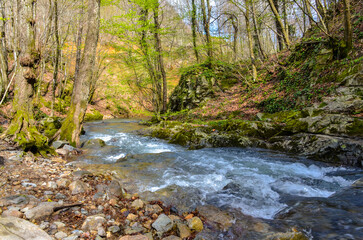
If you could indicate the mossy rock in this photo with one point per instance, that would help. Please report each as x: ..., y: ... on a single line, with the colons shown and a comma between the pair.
x: 356, y: 128
x: 94, y: 143
x: 93, y: 116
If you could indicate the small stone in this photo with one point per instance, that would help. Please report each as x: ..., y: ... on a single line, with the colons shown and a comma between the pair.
x: 78, y: 187
x: 77, y: 232
x: 59, y: 225
x: 113, y: 202
x: 71, y: 237
x: 60, y: 196
x: 52, y: 185
x: 63, y: 182
x: 62, y: 152
x: 115, y: 189
x: 172, y: 237
x: 163, y: 224
x: 196, y: 224
x: 131, y: 217
x: 60, y: 235
x: 93, y: 222
x: 42, y: 210
x: 134, y: 237
x: 68, y: 148
x: 12, y: 213
x: 137, y: 204
x: 101, y: 232
x: 98, y: 238
x: 189, y: 216
x: 47, y: 193
x: 114, y: 229
x: 58, y: 144
x: 43, y: 225
x: 183, y: 230
x: 153, y: 209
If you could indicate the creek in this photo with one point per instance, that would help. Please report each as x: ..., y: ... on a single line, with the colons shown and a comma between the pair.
x: 263, y: 184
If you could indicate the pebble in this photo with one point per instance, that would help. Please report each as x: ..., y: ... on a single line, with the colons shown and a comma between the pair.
x: 60, y: 235
x: 12, y: 213
x: 59, y: 225
x: 44, y: 225
x: 131, y: 217
x: 52, y: 185
x: 101, y: 232
x: 163, y: 224
x: 137, y: 204
x: 195, y: 223
x: 60, y: 196
x: 114, y: 229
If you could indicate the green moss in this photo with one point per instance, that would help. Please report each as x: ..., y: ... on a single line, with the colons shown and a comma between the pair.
x: 356, y: 128
x: 93, y: 116
x: 162, y: 133
x: 180, y: 138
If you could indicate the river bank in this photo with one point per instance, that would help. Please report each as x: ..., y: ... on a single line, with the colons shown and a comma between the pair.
x: 49, y: 198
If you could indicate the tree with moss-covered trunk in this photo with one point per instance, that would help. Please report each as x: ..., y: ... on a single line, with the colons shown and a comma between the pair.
x: 22, y: 127
x: 72, y: 125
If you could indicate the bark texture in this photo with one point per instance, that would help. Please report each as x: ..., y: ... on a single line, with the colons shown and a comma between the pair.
x: 72, y: 125
x: 22, y: 126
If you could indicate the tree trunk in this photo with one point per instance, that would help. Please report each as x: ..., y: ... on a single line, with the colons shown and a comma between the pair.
x: 72, y: 125
x: 57, y: 55
x: 79, y: 41
x: 3, y: 50
x: 348, y: 34
x: 22, y: 126
x: 279, y: 25
x: 206, y: 23
x: 257, y: 32
x: 250, y: 40
x: 160, y: 57
x: 194, y: 29
x: 308, y: 11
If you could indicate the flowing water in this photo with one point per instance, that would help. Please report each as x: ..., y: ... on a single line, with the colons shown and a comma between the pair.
x: 257, y: 182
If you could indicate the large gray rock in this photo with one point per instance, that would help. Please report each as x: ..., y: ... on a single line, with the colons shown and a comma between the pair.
x: 19, y: 229
x: 163, y: 224
x: 42, y: 210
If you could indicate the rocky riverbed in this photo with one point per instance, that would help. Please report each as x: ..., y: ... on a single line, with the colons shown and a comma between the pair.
x: 48, y: 198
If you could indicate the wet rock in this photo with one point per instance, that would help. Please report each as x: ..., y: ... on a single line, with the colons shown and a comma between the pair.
x: 134, y: 237
x: 78, y: 187
x: 183, y: 230
x: 42, y: 210
x: 137, y: 204
x: 92, y: 223
x: 60, y: 235
x: 94, y: 143
x: 16, y: 228
x: 163, y: 224
x: 195, y: 223
x: 12, y: 213
x: 216, y: 217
